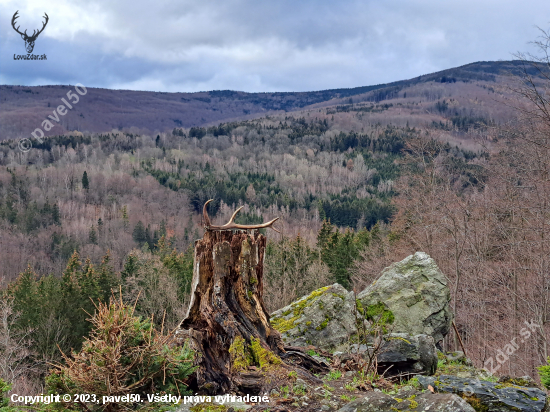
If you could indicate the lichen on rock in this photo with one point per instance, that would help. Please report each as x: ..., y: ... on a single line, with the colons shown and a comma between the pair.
x: 416, y: 292
x: 489, y: 396
x: 324, y: 318
x: 411, y: 295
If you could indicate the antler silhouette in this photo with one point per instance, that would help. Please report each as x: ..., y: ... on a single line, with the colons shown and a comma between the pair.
x: 15, y: 16
x: 34, y: 34
x: 231, y: 225
x: 43, y: 26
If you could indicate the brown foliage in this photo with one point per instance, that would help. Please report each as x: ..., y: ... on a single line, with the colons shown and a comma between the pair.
x: 491, y: 241
x: 123, y: 355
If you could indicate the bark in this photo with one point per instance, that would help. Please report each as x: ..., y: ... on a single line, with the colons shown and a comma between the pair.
x: 227, y: 323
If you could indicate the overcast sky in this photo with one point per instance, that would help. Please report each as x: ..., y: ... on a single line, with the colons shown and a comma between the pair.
x: 259, y: 45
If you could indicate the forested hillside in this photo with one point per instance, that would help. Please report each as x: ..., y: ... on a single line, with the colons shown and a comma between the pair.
x: 24, y: 108
x: 451, y: 165
x: 99, y: 192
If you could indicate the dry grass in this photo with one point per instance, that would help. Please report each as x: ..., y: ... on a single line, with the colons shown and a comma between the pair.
x: 123, y: 355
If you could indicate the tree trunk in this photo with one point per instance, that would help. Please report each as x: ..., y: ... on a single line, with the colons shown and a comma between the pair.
x: 227, y: 323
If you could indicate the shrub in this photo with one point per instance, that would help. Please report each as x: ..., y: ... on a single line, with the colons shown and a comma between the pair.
x: 544, y: 373
x: 4, y: 389
x: 124, y: 354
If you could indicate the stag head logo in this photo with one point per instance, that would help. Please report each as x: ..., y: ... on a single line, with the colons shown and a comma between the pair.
x: 29, y: 40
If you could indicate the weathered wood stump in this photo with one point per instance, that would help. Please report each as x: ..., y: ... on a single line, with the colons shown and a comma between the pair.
x: 227, y: 323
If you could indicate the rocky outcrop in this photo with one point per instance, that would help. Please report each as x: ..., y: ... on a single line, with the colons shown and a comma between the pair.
x: 456, y: 356
x: 405, y: 355
x: 489, y: 396
x: 399, y: 355
x: 380, y: 402
x: 325, y: 318
x: 416, y: 292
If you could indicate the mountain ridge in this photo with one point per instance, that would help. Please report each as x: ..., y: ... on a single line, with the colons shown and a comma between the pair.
x: 24, y: 108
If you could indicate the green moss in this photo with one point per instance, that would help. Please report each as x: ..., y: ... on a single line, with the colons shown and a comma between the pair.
x: 241, y: 358
x: 413, y: 404
x: 336, y: 295
x: 284, y: 325
x: 360, y: 308
x: 243, y: 355
x: 488, y: 378
x: 308, y: 323
x: 506, y: 385
x: 475, y: 403
x: 297, y: 309
x: 208, y: 407
x: 515, y: 382
x: 379, y: 313
x: 253, y: 280
x: 264, y: 358
x: 323, y: 325
x: 453, y: 368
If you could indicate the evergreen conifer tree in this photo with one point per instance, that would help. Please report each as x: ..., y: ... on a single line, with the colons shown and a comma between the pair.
x: 85, y: 181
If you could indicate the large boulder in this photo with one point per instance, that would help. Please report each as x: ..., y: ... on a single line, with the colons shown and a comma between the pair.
x: 325, y: 318
x: 401, y: 354
x: 398, y: 354
x: 380, y: 402
x: 416, y: 292
x: 489, y: 396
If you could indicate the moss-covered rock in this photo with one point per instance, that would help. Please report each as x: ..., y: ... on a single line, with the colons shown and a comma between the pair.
x: 412, y: 296
x: 416, y: 292
x: 526, y: 381
x: 325, y: 318
x: 418, y: 402
x: 485, y: 396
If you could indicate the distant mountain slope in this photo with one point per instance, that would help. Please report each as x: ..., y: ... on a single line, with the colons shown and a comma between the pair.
x: 23, y: 109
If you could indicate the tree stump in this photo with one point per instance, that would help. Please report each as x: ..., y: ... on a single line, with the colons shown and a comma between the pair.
x: 227, y: 323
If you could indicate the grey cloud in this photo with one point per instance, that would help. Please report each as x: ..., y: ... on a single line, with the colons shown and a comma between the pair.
x: 255, y: 45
